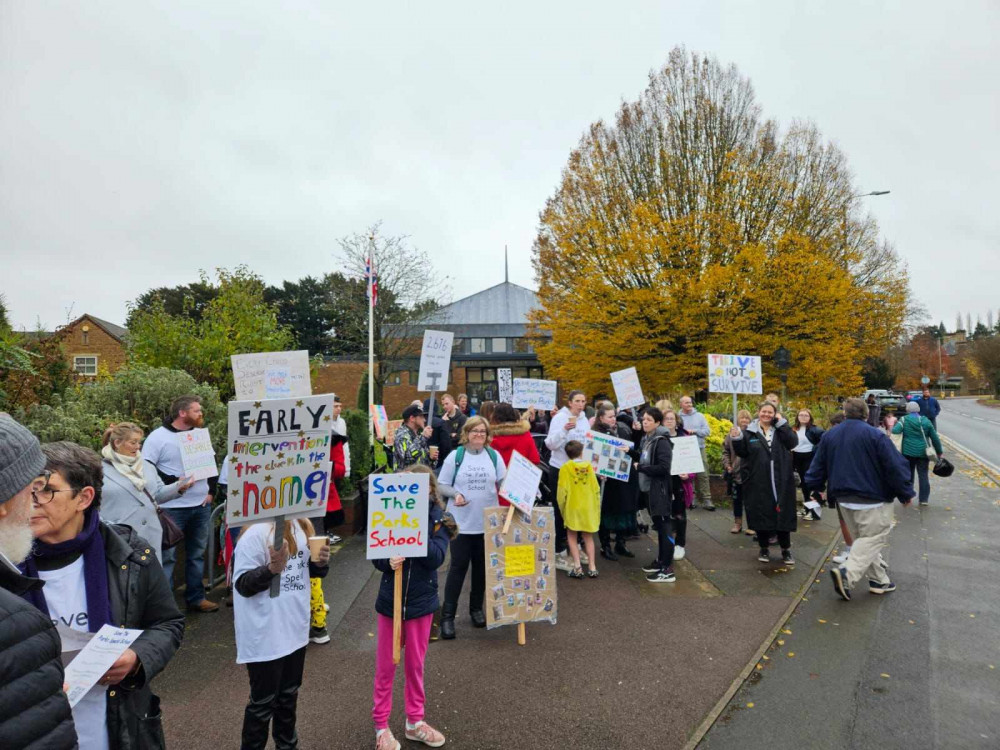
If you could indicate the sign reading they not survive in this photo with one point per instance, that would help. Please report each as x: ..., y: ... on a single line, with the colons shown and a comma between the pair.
x: 271, y: 375
x: 686, y: 456
x: 435, y: 360
x: 279, y: 462
x: 520, y: 483
x: 197, y: 453
x: 529, y: 392
x: 608, y: 454
x: 734, y: 373
x: 628, y: 392
x: 520, y: 567
x: 398, y: 515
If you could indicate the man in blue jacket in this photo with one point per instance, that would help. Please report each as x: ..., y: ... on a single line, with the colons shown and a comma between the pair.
x: 859, y: 466
x: 929, y: 406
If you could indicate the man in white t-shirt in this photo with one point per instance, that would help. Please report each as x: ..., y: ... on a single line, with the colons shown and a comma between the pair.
x: 192, y: 512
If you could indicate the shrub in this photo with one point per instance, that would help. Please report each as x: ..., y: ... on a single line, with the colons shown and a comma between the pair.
x: 361, y: 454
x: 713, y: 443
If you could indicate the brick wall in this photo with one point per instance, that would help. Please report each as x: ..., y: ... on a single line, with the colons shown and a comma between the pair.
x: 344, y: 379
x: 95, y: 342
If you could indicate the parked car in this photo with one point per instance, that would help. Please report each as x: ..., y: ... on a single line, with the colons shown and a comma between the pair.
x: 894, y: 402
x: 876, y: 392
x: 910, y: 395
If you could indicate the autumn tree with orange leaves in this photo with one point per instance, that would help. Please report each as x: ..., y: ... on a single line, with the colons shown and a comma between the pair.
x: 693, y: 226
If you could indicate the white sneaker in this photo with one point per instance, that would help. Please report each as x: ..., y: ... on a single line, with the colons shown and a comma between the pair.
x: 563, y: 562
x: 679, y: 552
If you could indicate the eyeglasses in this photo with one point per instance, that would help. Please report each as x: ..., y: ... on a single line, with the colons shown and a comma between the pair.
x: 477, y: 432
x: 42, y: 493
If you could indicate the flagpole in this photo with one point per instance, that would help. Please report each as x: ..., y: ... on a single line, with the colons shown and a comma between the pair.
x: 371, y: 338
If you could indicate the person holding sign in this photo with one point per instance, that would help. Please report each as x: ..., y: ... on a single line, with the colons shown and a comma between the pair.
x: 420, y: 601
x: 272, y: 632
x: 765, y: 450
x: 731, y: 464
x: 655, y: 456
x: 132, y: 488
x: 681, y: 485
x: 96, y: 574
x: 512, y: 433
x: 410, y: 442
x: 618, y: 499
x: 696, y: 424
x: 569, y: 423
x: 469, y: 479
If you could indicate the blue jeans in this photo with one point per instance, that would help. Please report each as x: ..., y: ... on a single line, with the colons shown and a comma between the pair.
x: 920, y: 464
x: 194, y: 522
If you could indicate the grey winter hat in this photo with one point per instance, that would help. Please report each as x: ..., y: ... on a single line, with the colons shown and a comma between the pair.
x: 21, y: 458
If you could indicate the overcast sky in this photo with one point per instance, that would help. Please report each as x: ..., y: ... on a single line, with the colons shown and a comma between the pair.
x: 143, y: 141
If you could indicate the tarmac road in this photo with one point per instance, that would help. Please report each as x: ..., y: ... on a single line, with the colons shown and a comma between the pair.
x: 973, y: 426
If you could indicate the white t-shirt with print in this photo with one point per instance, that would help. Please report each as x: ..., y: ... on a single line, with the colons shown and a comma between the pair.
x: 162, y: 448
x: 477, y: 480
x: 65, y: 593
x: 266, y: 628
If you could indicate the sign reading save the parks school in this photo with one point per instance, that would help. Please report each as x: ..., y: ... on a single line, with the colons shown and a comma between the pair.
x: 734, y: 373
x: 279, y: 458
x: 398, y: 515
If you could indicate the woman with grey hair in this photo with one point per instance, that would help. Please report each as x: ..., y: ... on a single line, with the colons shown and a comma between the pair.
x: 919, y: 435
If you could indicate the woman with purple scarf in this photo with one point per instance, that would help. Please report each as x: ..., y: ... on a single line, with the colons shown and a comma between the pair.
x: 97, y: 574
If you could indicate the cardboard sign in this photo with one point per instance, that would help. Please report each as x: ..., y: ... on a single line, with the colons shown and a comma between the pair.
x: 96, y: 658
x: 197, y: 453
x: 279, y: 461
x: 380, y: 419
x: 520, y: 567
x: 505, y: 385
x: 686, y: 456
x: 734, y: 373
x: 435, y: 360
x: 520, y: 484
x: 608, y: 454
x: 390, y: 431
x: 271, y: 375
x: 628, y: 392
x: 538, y: 393
x: 397, y: 516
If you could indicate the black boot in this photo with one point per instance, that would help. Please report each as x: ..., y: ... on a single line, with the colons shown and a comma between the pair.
x: 608, y: 554
x: 621, y: 550
x: 478, y: 618
x: 448, y: 621
x: 283, y: 723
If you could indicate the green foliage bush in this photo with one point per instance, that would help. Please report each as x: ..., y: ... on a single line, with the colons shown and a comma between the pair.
x: 361, y: 454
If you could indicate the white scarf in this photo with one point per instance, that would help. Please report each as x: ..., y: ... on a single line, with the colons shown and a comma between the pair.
x: 129, y: 467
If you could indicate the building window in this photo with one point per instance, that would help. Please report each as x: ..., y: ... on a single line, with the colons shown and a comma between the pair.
x: 394, y: 379
x: 414, y: 376
x: 519, y: 372
x: 85, y: 365
x: 473, y: 375
x: 536, y: 373
x: 489, y: 375
x: 523, y: 346
x: 499, y: 345
x: 86, y: 337
x: 477, y: 346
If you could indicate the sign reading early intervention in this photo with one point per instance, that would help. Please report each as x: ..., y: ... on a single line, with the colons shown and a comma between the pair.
x: 398, y: 515
x: 628, y: 392
x: 529, y: 392
x: 686, y: 456
x: 435, y: 360
x: 734, y: 373
x: 279, y: 462
x: 271, y: 375
x: 197, y: 453
x: 520, y: 484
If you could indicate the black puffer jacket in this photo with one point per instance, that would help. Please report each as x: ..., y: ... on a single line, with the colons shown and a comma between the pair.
x: 661, y: 455
x: 769, y: 487
x: 34, y: 712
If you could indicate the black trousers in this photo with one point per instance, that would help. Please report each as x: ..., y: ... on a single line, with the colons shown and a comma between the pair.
x: 561, y: 544
x: 784, y: 538
x: 801, y: 462
x: 274, y: 692
x: 738, y: 501
x: 665, y: 540
x: 466, y: 549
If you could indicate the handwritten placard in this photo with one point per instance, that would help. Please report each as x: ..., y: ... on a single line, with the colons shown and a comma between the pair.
x: 397, y: 515
x: 608, y: 455
x: 520, y: 560
x: 734, y: 373
x: 540, y: 394
x: 279, y: 461
x: 520, y: 567
x: 628, y: 392
x: 271, y: 375
x: 96, y: 658
x: 197, y: 453
x: 686, y: 456
x: 505, y: 385
x: 380, y: 419
x: 435, y: 360
x: 520, y: 484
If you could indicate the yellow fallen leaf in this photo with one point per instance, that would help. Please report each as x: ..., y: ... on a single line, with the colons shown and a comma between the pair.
x: 371, y: 635
x: 886, y: 676
x: 912, y: 622
x: 781, y: 643
x: 822, y: 621
x: 791, y: 653
x: 749, y: 705
x: 786, y: 631
x: 971, y: 615
x: 768, y: 658
x: 760, y: 666
x: 992, y: 667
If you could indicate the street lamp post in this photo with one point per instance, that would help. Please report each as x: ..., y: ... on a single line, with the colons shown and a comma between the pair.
x: 782, y: 360
x: 847, y: 207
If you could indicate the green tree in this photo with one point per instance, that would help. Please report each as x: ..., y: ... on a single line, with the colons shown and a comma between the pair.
x: 985, y: 356
x: 237, y: 321
x: 189, y: 300
x: 306, y: 308
x: 33, y: 367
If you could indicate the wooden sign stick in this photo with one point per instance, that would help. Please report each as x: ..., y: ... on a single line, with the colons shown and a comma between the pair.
x: 510, y: 517
x: 397, y: 615
x: 279, y: 540
x: 522, y: 637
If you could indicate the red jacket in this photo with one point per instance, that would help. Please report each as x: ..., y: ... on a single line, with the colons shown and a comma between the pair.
x: 511, y: 436
x: 339, y: 470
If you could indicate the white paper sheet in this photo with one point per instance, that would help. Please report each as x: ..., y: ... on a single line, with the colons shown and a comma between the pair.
x: 96, y: 658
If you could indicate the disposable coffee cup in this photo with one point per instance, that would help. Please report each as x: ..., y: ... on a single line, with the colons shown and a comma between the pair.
x: 316, y: 543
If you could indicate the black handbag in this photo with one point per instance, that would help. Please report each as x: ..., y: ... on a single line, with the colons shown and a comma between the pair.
x: 172, y: 534
x: 943, y: 467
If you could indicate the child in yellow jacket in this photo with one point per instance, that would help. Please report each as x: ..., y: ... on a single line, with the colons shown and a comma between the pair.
x: 579, y: 501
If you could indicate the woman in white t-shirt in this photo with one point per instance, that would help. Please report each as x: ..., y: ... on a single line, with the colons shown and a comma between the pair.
x: 809, y: 434
x: 271, y: 634
x: 469, y: 479
x: 569, y: 423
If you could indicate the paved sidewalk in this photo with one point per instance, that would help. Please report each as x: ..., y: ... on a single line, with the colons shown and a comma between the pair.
x: 919, y: 668
x: 630, y: 664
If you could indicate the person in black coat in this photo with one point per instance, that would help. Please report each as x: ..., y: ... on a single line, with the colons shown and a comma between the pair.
x: 656, y: 455
x: 809, y: 434
x: 765, y: 450
x: 441, y: 437
x: 618, y: 499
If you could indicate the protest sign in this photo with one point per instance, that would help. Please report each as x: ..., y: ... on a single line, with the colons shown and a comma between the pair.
x: 520, y: 567
x: 628, y: 392
x: 197, y: 453
x: 397, y: 516
x: 686, y: 456
x: 505, y: 385
x: 521, y: 483
x: 279, y: 461
x: 95, y: 659
x: 734, y: 373
x: 390, y: 433
x: 271, y: 375
x: 380, y: 419
x: 608, y: 455
x: 435, y: 360
x: 538, y: 393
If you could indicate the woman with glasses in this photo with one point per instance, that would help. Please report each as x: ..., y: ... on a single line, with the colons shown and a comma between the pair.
x: 97, y: 574
x: 132, y: 487
x: 469, y: 480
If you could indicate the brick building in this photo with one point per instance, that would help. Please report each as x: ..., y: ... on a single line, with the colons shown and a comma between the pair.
x: 92, y: 344
x: 491, y: 333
